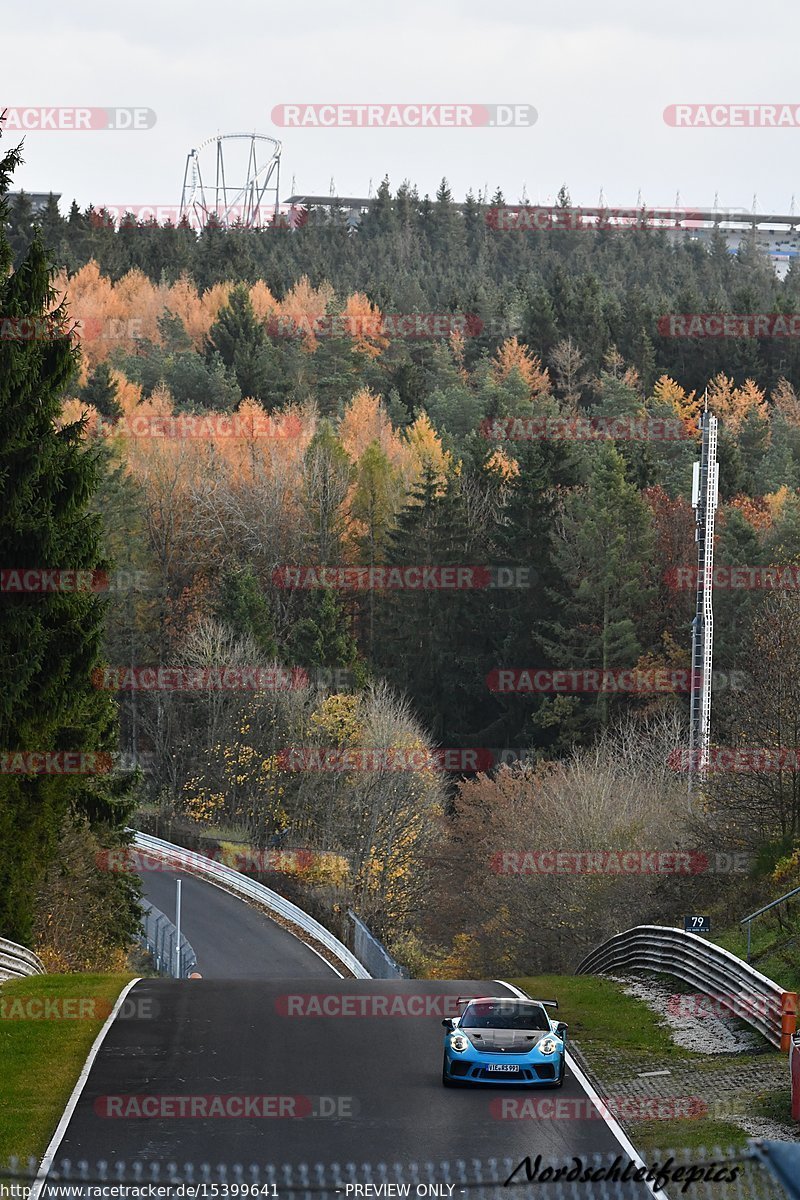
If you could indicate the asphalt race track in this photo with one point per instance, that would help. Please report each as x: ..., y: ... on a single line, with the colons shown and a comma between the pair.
x: 231, y: 939
x: 359, y: 1088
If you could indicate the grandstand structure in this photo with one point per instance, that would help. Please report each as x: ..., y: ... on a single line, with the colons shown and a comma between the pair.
x: 776, y: 234
x: 38, y: 200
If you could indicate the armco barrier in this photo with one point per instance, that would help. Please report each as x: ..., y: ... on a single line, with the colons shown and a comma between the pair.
x: 249, y: 889
x: 704, y: 966
x: 16, y: 961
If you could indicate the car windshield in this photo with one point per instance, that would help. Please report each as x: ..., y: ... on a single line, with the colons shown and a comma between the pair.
x: 502, y: 1014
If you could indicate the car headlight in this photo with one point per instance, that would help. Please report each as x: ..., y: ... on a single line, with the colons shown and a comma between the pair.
x: 547, y: 1045
x: 459, y: 1042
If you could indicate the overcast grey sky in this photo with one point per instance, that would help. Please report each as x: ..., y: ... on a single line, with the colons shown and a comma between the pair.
x: 599, y: 75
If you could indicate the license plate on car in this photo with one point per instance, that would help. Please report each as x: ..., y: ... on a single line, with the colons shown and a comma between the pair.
x: 507, y: 1068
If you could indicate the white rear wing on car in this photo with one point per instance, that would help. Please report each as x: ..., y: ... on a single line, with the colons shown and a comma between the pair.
x: 508, y: 999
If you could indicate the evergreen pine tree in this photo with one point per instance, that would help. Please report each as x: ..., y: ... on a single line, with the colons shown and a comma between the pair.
x: 101, y: 391
x: 244, y: 608
x: 50, y: 640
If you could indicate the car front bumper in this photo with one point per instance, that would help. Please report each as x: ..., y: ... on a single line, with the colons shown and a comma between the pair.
x: 522, y: 1070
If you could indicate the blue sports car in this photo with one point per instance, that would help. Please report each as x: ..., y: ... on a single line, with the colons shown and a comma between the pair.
x: 502, y: 1039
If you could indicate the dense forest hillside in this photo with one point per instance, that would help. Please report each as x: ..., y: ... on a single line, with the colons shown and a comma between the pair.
x: 262, y: 405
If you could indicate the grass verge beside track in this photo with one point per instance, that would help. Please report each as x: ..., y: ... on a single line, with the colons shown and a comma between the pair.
x: 599, y: 1015
x: 41, y: 1056
x: 617, y: 1039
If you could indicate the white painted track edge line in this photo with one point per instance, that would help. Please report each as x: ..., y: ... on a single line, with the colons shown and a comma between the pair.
x: 77, y: 1091
x: 314, y: 951
x: 611, y: 1121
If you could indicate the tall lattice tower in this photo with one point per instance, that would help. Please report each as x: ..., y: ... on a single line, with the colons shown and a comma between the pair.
x: 705, y: 490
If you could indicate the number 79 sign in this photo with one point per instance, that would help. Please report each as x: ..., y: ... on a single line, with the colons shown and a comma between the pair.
x: 696, y: 924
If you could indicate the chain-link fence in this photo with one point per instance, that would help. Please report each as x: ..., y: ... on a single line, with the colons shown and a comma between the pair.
x: 374, y: 956
x: 158, y: 935
x: 701, y: 1174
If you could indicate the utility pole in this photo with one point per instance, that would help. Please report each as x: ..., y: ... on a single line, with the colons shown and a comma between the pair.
x: 705, y: 489
x: 177, y: 928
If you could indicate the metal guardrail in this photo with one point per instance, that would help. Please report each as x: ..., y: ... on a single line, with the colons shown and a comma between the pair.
x: 372, y: 953
x: 750, y: 995
x: 158, y: 935
x: 748, y: 921
x: 249, y: 889
x: 16, y: 961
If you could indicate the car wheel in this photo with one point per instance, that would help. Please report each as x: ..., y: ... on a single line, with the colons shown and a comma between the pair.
x: 560, y: 1081
x: 446, y: 1081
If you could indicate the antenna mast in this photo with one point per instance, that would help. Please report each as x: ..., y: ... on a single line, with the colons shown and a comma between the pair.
x: 705, y: 490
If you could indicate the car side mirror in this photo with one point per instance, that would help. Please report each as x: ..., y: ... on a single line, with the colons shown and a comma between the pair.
x: 448, y: 1022
x: 561, y: 1028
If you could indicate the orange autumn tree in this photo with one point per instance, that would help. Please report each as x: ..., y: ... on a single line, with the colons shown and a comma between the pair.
x: 786, y: 402
x: 685, y: 404
x: 512, y: 355
x: 266, y: 445
x: 303, y: 304
x: 458, y: 351
x: 365, y: 420
x: 94, y: 308
x: 140, y: 303
x: 756, y: 511
x: 776, y: 502
x: 362, y: 320
x: 427, y: 453
x: 383, y: 462
x: 111, y: 315
x: 198, y: 313
x: 128, y: 397
x: 263, y: 302
x: 734, y: 405
x: 502, y: 464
